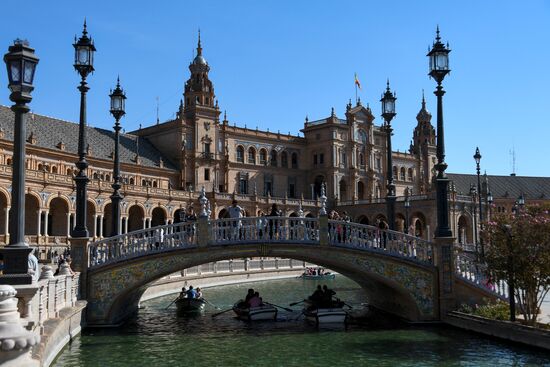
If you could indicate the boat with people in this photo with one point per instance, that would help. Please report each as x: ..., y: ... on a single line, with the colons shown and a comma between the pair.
x: 320, y: 308
x: 259, y: 313
x: 188, y: 305
x: 317, y: 274
x: 325, y: 315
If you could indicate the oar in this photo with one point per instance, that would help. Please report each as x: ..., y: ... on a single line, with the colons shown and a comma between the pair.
x: 171, y: 303
x: 211, y: 304
x: 347, y: 305
x: 284, y: 308
x: 219, y: 313
x: 296, y: 303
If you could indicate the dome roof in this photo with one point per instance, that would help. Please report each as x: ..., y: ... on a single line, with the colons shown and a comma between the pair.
x: 199, y: 60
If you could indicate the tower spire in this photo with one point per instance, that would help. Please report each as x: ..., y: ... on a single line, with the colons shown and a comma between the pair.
x: 199, y: 47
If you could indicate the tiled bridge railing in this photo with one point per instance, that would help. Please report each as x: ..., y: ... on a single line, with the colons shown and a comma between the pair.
x: 259, y: 230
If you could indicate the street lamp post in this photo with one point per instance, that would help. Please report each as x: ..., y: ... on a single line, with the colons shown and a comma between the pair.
x: 473, y: 195
x: 477, y: 158
x: 21, y: 64
x: 388, y: 113
x: 84, y: 65
x: 439, y: 68
x: 118, y: 101
x: 407, y: 207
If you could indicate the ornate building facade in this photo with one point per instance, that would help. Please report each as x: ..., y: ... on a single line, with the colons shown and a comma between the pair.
x: 164, y: 166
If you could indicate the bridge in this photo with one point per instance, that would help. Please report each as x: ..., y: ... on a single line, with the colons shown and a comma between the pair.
x: 401, y: 274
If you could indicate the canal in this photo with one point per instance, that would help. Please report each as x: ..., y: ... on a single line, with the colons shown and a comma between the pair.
x: 157, y: 337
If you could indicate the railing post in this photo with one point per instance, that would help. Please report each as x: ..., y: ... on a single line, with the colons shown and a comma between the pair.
x: 323, y: 230
x: 444, y: 261
x: 80, y: 261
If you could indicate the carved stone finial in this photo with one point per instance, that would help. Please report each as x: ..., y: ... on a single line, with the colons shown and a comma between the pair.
x: 323, y: 198
x: 47, y: 272
x: 300, y: 210
x: 203, y: 202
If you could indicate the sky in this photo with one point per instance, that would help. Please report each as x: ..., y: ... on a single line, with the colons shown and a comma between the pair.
x: 274, y: 62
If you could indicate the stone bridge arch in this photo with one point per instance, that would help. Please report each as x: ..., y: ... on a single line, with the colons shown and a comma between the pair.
x: 403, y: 287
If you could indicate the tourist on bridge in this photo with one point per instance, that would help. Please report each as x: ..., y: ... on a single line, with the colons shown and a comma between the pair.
x: 273, y: 222
x: 190, y: 218
x: 262, y: 225
x: 236, y: 213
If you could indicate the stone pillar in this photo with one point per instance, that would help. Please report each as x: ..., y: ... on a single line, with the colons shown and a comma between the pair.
x: 95, y: 226
x: 46, y: 212
x: 444, y: 261
x: 323, y: 230
x: 80, y: 256
x: 68, y: 224
x: 203, y: 233
x: 101, y: 226
x: 6, y: 225
x: 144, y: 223
x: 15, y: 340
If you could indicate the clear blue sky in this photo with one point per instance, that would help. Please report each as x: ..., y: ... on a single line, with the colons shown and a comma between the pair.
x: 273, y: 62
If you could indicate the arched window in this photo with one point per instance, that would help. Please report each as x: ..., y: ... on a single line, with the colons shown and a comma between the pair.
x: 131, y: 181
x: 69, y: 172
x: 143, y: 183
x: 363, y: 137
x: 402, y: 176
x: 54, y: 169
x: 294, y: 160
x: 155, y: 184
x: 284, y: 160
x: 395, y: 172
x: 263, y: 156
x: 273, y: 158
x: 40, y: 167
x: 410, y: 174
x: 361, y: 159
x: 96, y: 175
x: 8, y: 161
x: 251, y: 155
x: 240, y: 154
x: 107, y: 177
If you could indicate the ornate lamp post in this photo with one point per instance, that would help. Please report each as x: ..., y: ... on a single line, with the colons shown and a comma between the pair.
x: 388, y: 113
x: 21, y: 63
x: 118, y: 101
x: 473, y: 195
x: 439, y: 68
x: 407, y: 207
x: 477, y: 158
x: 84, y: 64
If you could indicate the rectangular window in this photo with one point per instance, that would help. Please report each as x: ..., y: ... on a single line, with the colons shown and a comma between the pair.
x: 243, y: 186
x: 207, y: 174
x: 291, y: 190
x: 378, y: 164
x: 315, y: 159
x: 268, y: 188
x: 207, y: 148
x: 321, y: 158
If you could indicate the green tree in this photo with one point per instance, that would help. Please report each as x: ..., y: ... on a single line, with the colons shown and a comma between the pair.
x: 519, y: 252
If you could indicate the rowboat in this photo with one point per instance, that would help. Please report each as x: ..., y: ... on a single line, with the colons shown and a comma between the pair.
x: 318, y: 277
x: 187, y: 305
x: 264, y: 312
x: 325, y: 315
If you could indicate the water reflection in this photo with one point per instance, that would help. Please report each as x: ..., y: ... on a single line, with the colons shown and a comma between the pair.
x: 158, y: 337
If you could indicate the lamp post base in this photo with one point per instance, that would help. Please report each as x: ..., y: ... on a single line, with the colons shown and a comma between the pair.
x: 16, y: 265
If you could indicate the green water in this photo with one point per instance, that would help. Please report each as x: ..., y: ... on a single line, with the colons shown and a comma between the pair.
x: 157, y: 337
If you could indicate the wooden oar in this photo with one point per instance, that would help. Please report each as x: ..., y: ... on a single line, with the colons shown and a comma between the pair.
x: 219, y: 313
x: 211, y: 304
x: 296, y: 303
x: 284, y: 308
x: 347, y: 305
x: 171, y: 303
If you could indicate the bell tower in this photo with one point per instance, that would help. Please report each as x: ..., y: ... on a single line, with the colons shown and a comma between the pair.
x: 199, y: 94
x: 423, y: 145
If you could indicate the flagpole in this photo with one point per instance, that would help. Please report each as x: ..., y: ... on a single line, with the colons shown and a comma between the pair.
x: 355, y: 92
